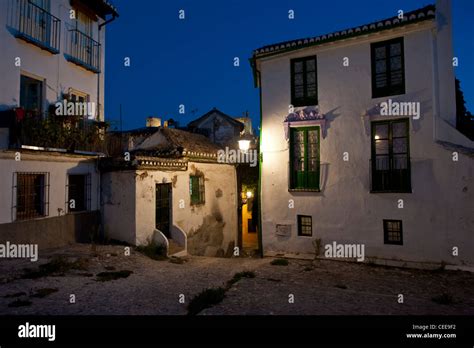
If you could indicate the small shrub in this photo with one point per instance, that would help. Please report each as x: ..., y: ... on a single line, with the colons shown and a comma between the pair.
x: 279, y: 262
x: 108, y: 276
x: 317, y: 247
x: 206, y: 299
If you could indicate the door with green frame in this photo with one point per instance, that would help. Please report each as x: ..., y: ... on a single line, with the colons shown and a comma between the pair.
x: 304, y: 158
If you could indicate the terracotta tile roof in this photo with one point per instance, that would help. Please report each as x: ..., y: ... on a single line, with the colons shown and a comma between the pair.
x: 180, y: 143
x: 422, y: 14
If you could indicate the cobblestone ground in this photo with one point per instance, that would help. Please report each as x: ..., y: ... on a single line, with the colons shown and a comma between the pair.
x: 154, y: 287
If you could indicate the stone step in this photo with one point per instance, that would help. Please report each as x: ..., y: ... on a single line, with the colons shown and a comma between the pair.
x: 174, y: 247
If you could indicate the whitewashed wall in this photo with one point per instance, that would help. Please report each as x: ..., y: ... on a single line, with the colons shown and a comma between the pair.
x: 436, y: 216
x: 59, y: 74
x: 58, y: 167
x: 129, y: 214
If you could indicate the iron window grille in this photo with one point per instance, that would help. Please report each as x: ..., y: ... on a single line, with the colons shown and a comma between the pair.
x: 393, y: 232
x: 305, y: 225
x: 30, y: 195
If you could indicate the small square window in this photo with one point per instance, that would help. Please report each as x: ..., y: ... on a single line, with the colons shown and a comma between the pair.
x: 305, y: 225
x: 393, y: 232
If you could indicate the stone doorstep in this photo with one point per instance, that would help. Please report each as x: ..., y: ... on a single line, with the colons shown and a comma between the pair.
x: 174, y: 249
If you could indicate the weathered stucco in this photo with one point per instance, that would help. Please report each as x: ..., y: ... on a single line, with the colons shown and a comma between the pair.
x: 211, y: 227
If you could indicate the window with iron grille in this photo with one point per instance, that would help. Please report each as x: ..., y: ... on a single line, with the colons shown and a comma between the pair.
x: 304, y: 86
x: 78, y: 193
x: 196, y: 189
x: 304, y: 159
x: 393, y: 232
x: 390, y: 164
x: 305, y: 225
x: 388, y: 68
x: 31, y: 195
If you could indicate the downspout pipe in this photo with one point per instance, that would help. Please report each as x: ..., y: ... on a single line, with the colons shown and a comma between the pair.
x: 114, y: 16
x: 102, y: 231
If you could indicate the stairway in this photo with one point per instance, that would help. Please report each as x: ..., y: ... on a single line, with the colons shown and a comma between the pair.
x: 174, y: 249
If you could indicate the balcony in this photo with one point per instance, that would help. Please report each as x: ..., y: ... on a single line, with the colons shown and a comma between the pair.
x: 72, y: 134
x: 84, y: 51
x: 390, y: 174
x: 35, y: 25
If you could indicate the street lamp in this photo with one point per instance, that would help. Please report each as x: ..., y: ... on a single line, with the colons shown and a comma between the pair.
x: 244, y: 142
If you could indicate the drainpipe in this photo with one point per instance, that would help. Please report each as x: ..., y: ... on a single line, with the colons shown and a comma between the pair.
x: 114, y: 16
x: 99, y: 183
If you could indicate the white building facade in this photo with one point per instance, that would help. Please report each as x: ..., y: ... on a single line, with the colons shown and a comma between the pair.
x: 52, y: 51
x: 359, y: 144
x: 167, y: 187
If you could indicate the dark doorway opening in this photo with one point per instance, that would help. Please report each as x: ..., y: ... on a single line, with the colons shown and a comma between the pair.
x: 163, y: 208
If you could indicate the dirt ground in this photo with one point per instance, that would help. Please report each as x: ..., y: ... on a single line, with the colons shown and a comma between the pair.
x: 157, y: 287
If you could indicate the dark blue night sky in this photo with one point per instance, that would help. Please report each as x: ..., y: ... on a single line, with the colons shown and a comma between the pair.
x: 190, y: 61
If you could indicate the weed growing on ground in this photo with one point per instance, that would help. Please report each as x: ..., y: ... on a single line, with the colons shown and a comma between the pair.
x: 206, y: 299
x: 108, y: 276
x: 279, y: 262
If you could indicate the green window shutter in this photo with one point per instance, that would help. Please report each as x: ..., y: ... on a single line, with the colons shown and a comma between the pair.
x: 196, y: 189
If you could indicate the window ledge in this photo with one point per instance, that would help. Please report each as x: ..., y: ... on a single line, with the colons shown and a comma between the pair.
x: 304, y: 190
x: 390, y: 191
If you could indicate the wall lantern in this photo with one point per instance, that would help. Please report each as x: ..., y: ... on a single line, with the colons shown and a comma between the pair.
x: 244, y: 142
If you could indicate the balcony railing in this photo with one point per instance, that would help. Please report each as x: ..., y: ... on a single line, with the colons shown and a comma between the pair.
x: 83, y: 51
x: 35, y: 25
x: 71, y: 133
x: 390, y: 174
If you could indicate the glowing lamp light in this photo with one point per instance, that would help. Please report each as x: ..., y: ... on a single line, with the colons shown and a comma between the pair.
x: 244, y: 144
x: 249, y: 194
x: 377, y: 137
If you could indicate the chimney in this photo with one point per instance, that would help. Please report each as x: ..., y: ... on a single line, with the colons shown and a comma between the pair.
x: 153, y: 122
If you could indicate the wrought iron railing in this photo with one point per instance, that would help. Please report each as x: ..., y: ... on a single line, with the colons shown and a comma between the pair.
x: 35, y: 25
x: 83, y: 50
x: 72, y: 133
x: 390, y: 174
